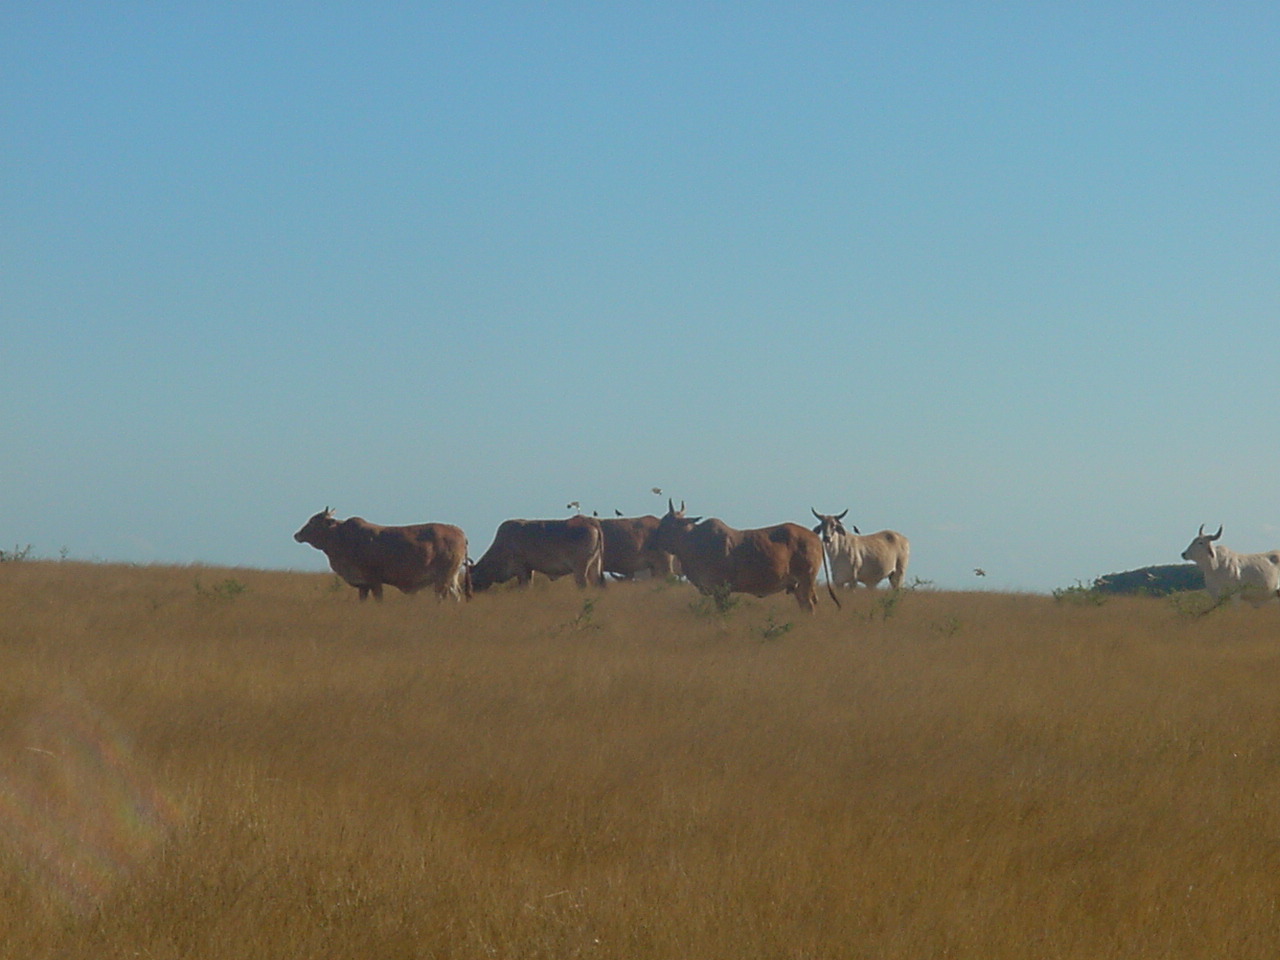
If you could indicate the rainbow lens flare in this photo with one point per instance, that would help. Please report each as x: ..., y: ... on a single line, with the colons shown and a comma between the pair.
x: 78, y: 809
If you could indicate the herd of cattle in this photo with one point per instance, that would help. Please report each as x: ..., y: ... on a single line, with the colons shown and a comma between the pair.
x: 710, y: 554
x: 713, y: 556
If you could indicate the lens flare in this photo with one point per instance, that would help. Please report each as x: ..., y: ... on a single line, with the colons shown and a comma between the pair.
x: 77, y: 808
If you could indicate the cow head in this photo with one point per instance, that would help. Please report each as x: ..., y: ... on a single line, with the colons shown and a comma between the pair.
x: 1201, y: 548
x: 496, y: 565
x: 485, y: 573
x: 829, y: 525
x: 673, y: 528
x: 316, y: 528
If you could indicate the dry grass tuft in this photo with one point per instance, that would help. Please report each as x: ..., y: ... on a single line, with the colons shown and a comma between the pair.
x: 231, y: 763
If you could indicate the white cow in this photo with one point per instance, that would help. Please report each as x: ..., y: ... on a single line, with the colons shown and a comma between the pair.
x: 1254, y: 576
x: 857, y: 558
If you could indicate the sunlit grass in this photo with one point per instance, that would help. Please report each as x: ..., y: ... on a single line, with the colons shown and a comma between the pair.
x: 276, y: 770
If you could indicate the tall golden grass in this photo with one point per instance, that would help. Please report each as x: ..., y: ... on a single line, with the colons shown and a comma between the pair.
x: 240, y: 764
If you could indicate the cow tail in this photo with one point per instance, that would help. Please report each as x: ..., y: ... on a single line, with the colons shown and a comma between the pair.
x: 467, y: 564
x: 826, y: 568
x: 597, y: 560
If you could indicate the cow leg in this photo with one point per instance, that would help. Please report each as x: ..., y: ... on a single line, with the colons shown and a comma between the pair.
x: 376, y: 590
x: 589, y: 574
x: 460, y: 585
x: 364, y: 591
x: 445, y: 585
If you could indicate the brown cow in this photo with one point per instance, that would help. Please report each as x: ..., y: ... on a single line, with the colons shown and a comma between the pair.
x: 760, y: 562
x: 550, y: 547
x: 629, y: 550
x: 407, y: 558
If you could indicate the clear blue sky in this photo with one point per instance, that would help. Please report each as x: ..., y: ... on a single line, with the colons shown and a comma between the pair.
x: 1002, y: 276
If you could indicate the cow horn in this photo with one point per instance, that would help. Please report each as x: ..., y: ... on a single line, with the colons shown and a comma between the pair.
x: 1218, y: 534
x: 815, y: 513
x: 840, y: 516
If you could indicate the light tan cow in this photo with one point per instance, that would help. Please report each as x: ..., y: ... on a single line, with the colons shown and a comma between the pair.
x: 862, y: 558
x: 1253, y: 576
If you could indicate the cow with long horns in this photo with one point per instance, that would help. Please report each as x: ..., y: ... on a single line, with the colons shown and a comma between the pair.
x: 862, y: 558
x: 1253, y: 576
x: 715, y: 556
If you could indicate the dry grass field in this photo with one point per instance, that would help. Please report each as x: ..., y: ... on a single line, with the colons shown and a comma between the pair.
x: 202, y: 763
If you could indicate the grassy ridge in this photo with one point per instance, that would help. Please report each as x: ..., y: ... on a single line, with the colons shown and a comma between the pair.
x: 209, y: 763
